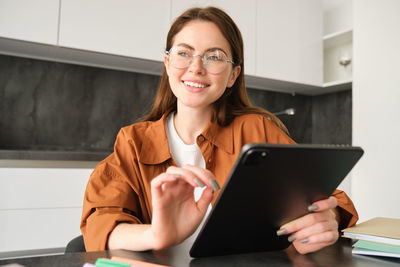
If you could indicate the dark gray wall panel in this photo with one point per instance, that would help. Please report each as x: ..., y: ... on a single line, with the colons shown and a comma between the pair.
x: 299, y: 125
x: 49, y: 106
x: 54, y: 106
x: 332, y: 118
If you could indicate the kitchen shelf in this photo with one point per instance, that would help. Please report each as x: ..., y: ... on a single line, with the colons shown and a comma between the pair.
x: 338, y: 55
x: 337, y: 38
x: 337, y: 83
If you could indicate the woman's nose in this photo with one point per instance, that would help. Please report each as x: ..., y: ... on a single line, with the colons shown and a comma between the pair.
x: 196, y: 65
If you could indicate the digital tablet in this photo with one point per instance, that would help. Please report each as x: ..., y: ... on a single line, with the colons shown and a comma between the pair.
x: 268, y: 186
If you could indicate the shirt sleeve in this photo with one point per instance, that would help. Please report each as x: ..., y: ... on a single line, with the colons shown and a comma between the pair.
x: 274, y: 134
x: 347, y: 211
x: 110, y: 197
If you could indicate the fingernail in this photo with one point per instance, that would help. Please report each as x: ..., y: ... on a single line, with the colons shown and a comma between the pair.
x: 175, y: 175
x: 305, y: 240
x: 291, y: 238
x: 281, y: 232
x: 199, y: 182
x: 313, y: 207
x: 214, y: 185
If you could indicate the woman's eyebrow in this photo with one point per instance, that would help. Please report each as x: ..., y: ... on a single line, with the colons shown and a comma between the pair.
x: 186, y: 46
x: 216, y: 48
x: 208, y: 50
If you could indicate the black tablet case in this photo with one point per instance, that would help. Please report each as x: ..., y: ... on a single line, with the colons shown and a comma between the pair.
x: 268, y: 186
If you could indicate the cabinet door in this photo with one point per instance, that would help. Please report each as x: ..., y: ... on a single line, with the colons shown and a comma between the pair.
x: 29, y: 20
x: 35, y: 203
x: 121, y: 27
x: 289, y: 40
x: 242, y: 13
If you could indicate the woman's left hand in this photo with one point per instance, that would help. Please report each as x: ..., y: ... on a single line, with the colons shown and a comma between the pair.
x: 314, y: 230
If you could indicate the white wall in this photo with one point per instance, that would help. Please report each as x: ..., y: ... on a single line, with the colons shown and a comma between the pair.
x: 376, y: 98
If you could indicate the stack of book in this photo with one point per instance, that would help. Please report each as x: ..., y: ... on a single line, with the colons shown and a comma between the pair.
x: 377, y: 237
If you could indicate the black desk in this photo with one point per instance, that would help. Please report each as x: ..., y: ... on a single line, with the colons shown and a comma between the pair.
x: 336, y: 255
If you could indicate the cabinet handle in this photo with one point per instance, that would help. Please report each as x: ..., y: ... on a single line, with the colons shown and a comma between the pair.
x: 344, y: 61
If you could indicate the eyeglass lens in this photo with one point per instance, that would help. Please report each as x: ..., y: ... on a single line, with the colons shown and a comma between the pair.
x: 214, y: 61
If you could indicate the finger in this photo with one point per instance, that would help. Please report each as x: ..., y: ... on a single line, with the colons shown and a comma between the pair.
x: 329, y: 237
x: 161, y: 179
x: 315, y: 229
x: 205, y: 175
x: 303, y: 222
x: 158, y: 182
x: 325, y: 204
x: 205, y: 199
x: 184, y: 174
x: 168, y: 185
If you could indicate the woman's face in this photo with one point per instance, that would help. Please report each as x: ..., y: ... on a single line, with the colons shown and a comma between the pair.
x: 194, y: 85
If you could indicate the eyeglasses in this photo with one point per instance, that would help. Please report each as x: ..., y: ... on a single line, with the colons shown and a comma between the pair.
x: 214, y: 61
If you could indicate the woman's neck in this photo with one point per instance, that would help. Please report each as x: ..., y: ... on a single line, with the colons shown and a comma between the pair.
x: 190, y: 122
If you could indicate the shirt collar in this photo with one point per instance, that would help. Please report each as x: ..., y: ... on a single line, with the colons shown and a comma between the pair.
x: 222, y: 137
x: 155, y: 149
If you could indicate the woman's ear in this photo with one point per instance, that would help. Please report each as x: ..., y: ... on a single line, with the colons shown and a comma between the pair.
x: 166, y: 63
x: 235, y: 73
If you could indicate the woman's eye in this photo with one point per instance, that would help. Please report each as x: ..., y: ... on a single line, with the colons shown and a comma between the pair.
x: 183, y: 54
x: 214, y: 58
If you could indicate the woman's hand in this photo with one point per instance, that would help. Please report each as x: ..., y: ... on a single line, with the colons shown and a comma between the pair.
x: 315, y: 230
x: 176, y: 214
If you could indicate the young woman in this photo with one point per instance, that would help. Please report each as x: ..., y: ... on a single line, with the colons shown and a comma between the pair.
x: 142, y: 196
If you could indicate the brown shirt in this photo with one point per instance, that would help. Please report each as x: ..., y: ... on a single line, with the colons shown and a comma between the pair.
x: 119, y: 188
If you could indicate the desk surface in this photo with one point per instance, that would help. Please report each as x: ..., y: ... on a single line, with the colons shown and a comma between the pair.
x: 335, y: 255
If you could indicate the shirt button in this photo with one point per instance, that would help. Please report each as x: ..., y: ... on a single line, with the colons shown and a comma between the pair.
x: 200, y: 138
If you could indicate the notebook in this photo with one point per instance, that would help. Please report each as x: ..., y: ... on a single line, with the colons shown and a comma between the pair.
x: 363, y: 247
x: 379, y: 229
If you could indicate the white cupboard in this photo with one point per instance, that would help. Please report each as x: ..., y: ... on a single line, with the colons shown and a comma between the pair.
x: 338, y: 43
x: 282, y: 39
x: 121, y: 27
x: 289, y: 40
x: 40, y: 208
x: 30, y: 20
x: 338, y: 57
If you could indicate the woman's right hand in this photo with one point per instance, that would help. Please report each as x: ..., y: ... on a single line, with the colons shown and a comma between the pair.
x: 176, y: 214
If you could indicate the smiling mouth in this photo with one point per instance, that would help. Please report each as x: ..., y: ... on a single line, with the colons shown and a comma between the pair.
x: 194, y: 84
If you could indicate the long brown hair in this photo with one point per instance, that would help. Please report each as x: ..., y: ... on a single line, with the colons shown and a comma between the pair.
x: 234, y: 101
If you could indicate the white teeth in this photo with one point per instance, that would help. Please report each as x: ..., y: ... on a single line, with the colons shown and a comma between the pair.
x: 193, y: 84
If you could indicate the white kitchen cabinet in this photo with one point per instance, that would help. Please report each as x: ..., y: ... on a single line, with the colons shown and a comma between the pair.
x: 283, y: 40
x: 338, y: 43
x: 40, y: 208
x: 128, y: 28
x: 243, y: 14
x: 30, y: 20
x: 289, y: 40
x: 338, y: 57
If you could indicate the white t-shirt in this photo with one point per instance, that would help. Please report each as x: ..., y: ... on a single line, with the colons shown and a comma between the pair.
x: 185, y: 154
x: 181, y: 152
